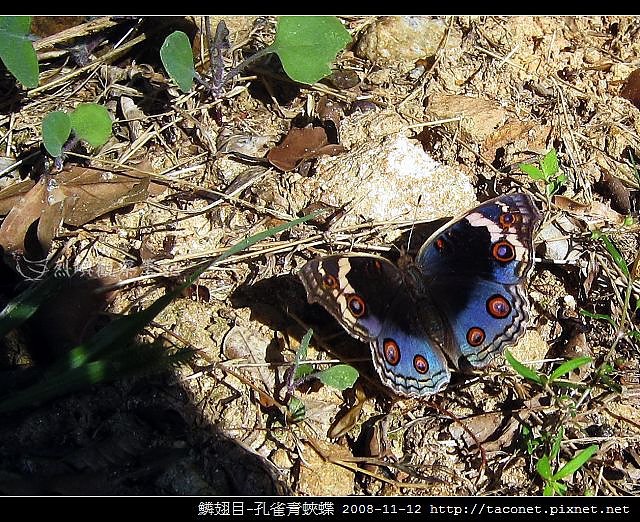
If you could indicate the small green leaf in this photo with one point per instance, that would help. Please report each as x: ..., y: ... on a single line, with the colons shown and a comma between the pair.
x: 543, y: 467
x: 549, y: 163
x: 575, y: 463
x: 177, y: 58
x: 91, y: 122
x: 302, y: 370
x: 559, y: 488
x: 523, y: 370
x: 548, y: 489
x: 341, y: 376
x: 16, y: 49
x: 568, y: 367
x: 307, y: 45
x: 557, y: 442
x: 296, y: 409
x: 533, y: 171
x: 56, y: 128
x: 301, y: 354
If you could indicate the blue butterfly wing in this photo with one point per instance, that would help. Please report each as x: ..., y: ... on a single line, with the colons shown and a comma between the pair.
x: 474, y: 270
x: 368, y: 297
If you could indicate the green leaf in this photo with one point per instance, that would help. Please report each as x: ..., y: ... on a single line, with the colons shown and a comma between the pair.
x: 296, y: 409
x: 16, y: 49
x: 575, y: 463
x: 523, y: 370
x: 533, y: 171
x: 543, y: 467
x: 177, y: 58
x: 549, y: 163
x: 557, y: 442
x: 341, y: 376
x: 307, y: 45
x: 601, y: 317
x: 91, y: 122
x: 613, y: 251
x: 568, y: 367
x: 548, y: 489
x: 302, y: 370
x: 56, y: 128
x: 301, y: 354
x: 559, y: 488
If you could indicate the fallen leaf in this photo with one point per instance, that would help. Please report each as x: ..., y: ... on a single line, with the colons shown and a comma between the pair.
x: 300, y: 144
x: 74, y: 197
x: 631, y: 89
x: 10, y: 196
x: 616, y: 191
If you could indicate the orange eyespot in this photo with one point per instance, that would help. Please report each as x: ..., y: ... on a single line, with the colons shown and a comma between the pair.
x: 503, y: 251
x: 475, y: 336
x: 391, y: 351
x: 329, y: 281
x: 421, y: 364
x: 498, y: 307
x: 356, y: 305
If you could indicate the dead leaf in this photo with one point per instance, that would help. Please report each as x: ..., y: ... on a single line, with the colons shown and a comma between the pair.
x: 134, y: 114
x: 616, y: 191
x: 74, y: 197
x: 331, y: 115
x: 300, y: 144
x: 243, y: 341
x: 524, y: 134
x: 631, y: 89
x: 10, y: 196
x: 595, y: 214
x: 349, y: 418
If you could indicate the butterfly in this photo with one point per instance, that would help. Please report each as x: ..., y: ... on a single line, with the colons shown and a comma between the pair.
x: 461, y: 301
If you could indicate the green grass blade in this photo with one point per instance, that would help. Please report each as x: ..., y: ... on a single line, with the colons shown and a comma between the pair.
x: 557, y: 442
x: 601, y: 317
x: 523, y: 370
x: 22, y: 307
x: 613, y: 251
x: 130, y: 361
x: 568, y: 367
x: 575, y: 463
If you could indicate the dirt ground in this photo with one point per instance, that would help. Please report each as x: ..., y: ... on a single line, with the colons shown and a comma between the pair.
x: 418, y: 130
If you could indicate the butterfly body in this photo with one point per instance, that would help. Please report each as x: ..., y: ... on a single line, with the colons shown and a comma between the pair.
x: 463, y: 300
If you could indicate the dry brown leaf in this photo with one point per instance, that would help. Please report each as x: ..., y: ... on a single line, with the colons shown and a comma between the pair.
x: 631, y: 89
x: 594, y: 214
x: 75, y: 197
x: 10, y: 196
x: 299, y: 144
x: 21, y: 217
x: 89, y: 193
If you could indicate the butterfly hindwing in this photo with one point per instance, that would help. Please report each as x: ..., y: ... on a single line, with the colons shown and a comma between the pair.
x: 367, y: 295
